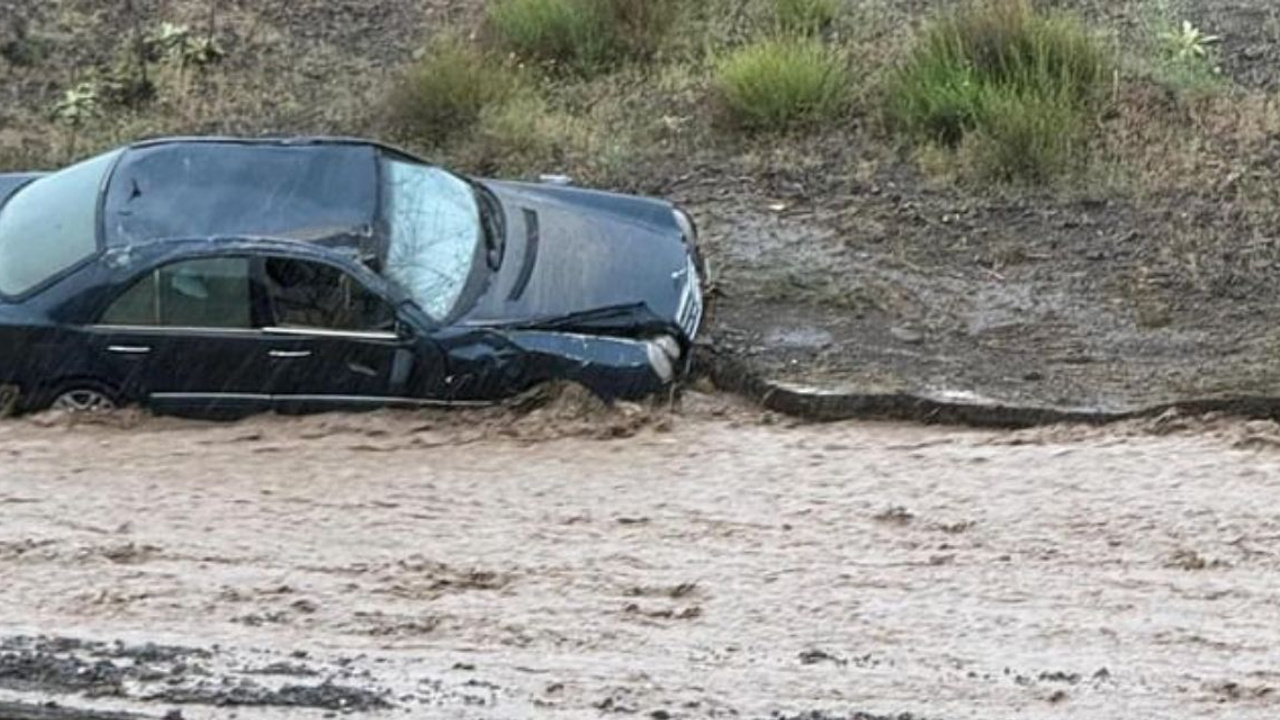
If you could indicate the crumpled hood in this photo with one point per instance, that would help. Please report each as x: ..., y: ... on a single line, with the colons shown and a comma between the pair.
x: 573, y: 253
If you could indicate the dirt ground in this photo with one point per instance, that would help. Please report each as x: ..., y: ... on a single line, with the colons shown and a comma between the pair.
x: 704, y: 562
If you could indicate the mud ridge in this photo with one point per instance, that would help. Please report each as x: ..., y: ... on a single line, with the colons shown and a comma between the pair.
x: 822, y: 404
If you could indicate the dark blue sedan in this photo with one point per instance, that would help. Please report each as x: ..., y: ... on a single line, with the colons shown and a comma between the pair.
x: 226, y: 276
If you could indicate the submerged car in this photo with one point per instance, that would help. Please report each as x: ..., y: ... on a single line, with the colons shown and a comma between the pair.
x: 215, y: 275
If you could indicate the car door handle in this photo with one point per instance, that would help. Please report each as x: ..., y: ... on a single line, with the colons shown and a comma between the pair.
x: 290, y: 354
x: 129, y: 349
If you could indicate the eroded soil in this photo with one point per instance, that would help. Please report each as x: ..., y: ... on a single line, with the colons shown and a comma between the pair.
x: 706, y: 561
x: 881, y: 284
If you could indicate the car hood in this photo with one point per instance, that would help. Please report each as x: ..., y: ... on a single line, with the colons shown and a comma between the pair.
x: 579, y: 254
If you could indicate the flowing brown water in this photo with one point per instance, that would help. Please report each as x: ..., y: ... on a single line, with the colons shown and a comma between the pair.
x: 701, y: 564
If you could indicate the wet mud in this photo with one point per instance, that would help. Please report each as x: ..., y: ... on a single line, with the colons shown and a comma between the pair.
x: 170, y: 675
x: 703, y: 559
x: 1005, y: 301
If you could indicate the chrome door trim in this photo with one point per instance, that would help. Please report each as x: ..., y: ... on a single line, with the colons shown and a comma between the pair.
x: 322, y: 333
x: 345, y: 399
x: 382, y: 400
x: 211, y: 396
x: 129, y: 349
x: 172, y: 330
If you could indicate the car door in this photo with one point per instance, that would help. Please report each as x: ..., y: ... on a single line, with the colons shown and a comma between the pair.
x: 183, y: 338
x: 346, y: 346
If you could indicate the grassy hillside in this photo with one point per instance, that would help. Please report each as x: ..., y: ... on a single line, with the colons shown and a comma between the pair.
x: 1178, y: 101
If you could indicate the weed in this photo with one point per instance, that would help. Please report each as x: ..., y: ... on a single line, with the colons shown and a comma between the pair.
x: 176, y: 44
x: 1187, y: 42
x: 79, y: 104
x: 1022, y: 136
x: 582, y: 36
x: 806, y: 16
x: 551, y: 31
x: 445, y: 93
x: 1004, y: 72
x: 782, y: 83
x: 1184, y: 59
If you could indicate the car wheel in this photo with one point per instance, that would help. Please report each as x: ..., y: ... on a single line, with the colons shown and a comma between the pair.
x: 84, y: 399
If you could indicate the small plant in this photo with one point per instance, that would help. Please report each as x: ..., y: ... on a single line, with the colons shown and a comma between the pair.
x: 76, y: 108
x: 1185, y: 58
x: 1002, y: 72
x: 178, y: 48
x: 79, y: 104
x: 581, y: 36
x: 446, y: 91
x: 1187, y: 43
x: 782, y: 83
x: 806, y: 16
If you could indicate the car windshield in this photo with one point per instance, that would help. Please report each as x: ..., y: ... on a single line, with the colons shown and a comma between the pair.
x: 50, y: 225
x: 433, y: 224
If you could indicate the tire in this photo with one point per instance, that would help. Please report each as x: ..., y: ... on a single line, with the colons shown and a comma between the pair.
x: 83, y: 396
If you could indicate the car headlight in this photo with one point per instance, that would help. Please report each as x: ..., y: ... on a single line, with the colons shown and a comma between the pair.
x: 687, y: 227
x: 663, y: 354
x: 669, y: 346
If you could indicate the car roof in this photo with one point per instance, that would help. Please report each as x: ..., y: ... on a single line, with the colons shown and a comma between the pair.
x: 272, y: 141
x: 350, y: 236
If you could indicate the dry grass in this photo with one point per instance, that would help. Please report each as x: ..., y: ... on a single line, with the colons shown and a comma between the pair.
x: 448, y: 91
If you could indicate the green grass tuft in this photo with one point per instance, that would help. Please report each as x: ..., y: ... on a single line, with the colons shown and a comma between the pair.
x: 1003, y: 72
x: 582, y: 36
x: 1023, y: 137
x: 445, y: 93
x: 782, y: 83
x: 806, y: 17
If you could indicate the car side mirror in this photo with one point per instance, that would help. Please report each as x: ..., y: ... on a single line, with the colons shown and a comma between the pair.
x: 405, y: 330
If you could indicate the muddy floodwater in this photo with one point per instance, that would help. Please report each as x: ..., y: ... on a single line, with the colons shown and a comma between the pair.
x: 710, y: 562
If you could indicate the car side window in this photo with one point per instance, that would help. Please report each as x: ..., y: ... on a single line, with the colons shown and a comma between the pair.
x: 205, y: 293
x: 314, y: 295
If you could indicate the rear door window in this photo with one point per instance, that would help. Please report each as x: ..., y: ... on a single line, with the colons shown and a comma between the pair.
x: 205, y: 293
x: 312, y: 295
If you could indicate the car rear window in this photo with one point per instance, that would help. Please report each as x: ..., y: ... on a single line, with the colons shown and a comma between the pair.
x: 50, y: 225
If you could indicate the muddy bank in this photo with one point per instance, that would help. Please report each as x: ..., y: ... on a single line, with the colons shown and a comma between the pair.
x: 715, y: 562
x: 838, y: 399
x: 874, y: 288
x: 845, y: 264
